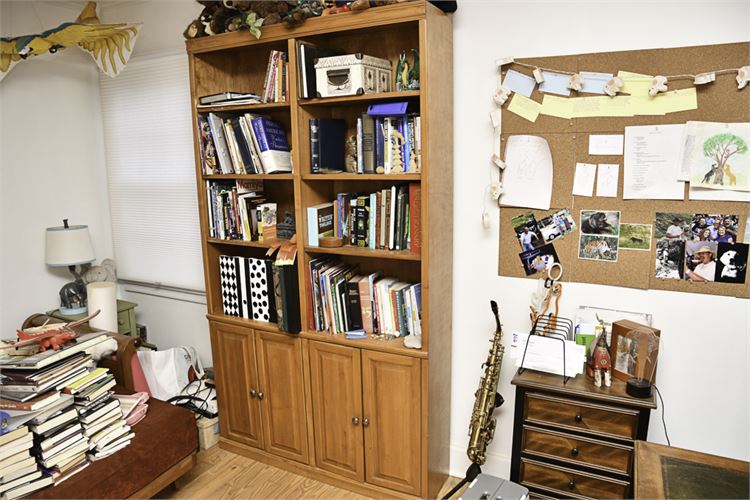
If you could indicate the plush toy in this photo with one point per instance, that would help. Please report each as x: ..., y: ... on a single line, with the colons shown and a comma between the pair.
x: 304, y: 9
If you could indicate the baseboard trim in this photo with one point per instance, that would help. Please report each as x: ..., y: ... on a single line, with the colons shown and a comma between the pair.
x: 496, y: 464
x: 310, y: 471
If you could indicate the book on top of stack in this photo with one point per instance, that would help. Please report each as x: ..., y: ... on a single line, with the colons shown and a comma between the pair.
x: 19, y: 472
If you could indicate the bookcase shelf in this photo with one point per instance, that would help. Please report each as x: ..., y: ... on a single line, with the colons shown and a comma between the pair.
x: 399, y: 384
x: 365, y: 252
x: 360, y: 99
x: 363, y: 177
x: 243, y: 107
x: 249, y: 177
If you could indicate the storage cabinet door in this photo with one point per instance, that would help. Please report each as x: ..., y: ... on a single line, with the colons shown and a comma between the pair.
x: 282, y: 395
x: 392, y: 420
x: 236, y: 381
x: 336, y: 384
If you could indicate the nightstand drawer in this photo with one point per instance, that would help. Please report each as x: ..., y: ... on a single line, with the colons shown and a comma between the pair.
x: 571, y: 483
x: 609, y: 421
x: 578, y: 450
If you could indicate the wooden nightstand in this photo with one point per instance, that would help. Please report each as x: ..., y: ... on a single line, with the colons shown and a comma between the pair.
x: 125, y: 317
x: 576, y: 440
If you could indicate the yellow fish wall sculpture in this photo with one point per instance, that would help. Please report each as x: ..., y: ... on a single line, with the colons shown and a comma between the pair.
x: 109, y: 44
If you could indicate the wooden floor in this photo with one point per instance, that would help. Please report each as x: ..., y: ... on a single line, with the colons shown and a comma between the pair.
x: 222, y: 474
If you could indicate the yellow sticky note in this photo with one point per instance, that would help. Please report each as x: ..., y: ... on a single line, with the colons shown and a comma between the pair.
x: 679, y: 100
x: 525, y: 107
x: 647, y: 105
x: 635, y: 84
x: 561, y: 107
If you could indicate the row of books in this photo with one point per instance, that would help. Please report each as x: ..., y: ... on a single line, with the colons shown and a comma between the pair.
x: 276, y: 83
x: 239, y: 211
x: 384, y: 144
x: 344, y: 301
x: 243, y: 144
x: 388, y: 219
x: 261, y: 290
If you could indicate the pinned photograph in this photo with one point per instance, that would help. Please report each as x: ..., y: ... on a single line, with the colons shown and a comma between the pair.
x: 594, y: 247
x: 635, y: 237
x: 557, y: 225
x: 605, y: 222
x: 721, y: 228
x: 700, y: 260
x: 539, y: 259
x: 670, y: 256
x: 673, y: 226
x: 731, y: 263
x: 527, y: 231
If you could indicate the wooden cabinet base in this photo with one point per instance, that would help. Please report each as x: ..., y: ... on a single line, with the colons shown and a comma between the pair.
x: 310, y: 471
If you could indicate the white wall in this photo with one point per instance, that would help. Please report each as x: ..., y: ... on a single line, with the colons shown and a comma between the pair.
x: 51, y: 157
x: 703, y: 372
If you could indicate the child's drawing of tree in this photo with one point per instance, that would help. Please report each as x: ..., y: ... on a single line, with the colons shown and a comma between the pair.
x: 720, y: 148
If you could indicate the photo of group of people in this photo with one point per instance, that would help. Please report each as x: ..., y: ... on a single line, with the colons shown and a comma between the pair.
x: 599, y: 239
x: 535, y: 238
x: 700, y: 247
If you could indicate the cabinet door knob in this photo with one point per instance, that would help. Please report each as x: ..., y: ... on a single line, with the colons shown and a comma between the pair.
x: 579, y: 418
x: 355, y: 420
x: 574, y: 452
x: 260, y: 395
x: 571, y: 485
x: 365, y: 422
x: 253, y: 393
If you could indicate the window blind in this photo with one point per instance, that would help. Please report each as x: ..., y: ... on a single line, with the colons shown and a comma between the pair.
x: 151, y: 172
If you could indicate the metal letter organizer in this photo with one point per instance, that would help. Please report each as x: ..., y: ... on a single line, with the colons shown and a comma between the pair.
x: 551, y: 326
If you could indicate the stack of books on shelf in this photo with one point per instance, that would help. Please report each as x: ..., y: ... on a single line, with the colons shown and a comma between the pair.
x: 239, y: 211
x: 19, y: 472
x: 276, y: 84
x: 385, y: 143
x: 260, y: 290
x: 388, y: 219
x: 228, y: 99
x: 243, y: 144
x: 345, y: 301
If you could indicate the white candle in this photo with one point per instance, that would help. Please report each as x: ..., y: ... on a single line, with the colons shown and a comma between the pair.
x: 103, y: 296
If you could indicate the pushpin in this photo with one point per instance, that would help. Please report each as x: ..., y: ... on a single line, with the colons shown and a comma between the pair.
x: 658, y: 84
x: 498, y: 162
x: 613, y: 86
x: 575, y: 82
x: 704, y: 78
x: 538, y: 75
x: 503, y: 61
x: 743, y: 77
x: 495, y: 118
x: 501, y: 95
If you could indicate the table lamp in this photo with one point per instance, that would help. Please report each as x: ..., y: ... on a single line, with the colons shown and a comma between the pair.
x: 70, y: 246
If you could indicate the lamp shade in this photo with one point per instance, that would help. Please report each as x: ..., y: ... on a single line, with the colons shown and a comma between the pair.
x: 68, y: 246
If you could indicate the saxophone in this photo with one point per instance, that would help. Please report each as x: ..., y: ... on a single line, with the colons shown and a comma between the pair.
x: 482, y: 427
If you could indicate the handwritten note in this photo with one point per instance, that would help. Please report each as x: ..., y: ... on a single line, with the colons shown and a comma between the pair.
x: 606, y: 144
x: 583, y: 181
x: 560, y: 107
x: 525, y: 107
x: 606, y: 180
x: 652, y: 162
x: 527, y: 179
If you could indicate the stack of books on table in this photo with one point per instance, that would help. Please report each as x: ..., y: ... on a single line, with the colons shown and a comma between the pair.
x: 19, y: 472
x: 99, y: 414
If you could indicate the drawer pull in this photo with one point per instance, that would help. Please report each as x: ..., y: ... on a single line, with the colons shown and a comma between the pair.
x: 574, y: 452
x: 571, y: 485
x: 355, y: 420
x: 579, y: 418
x: 253, y: 393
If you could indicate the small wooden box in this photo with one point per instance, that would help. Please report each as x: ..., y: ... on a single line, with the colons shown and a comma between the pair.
x: 352, y: 74
x: 208, y: 432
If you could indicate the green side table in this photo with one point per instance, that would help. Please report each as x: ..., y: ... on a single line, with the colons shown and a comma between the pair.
x: 125, y: 317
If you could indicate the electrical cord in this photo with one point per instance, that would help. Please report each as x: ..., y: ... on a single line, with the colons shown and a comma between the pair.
x: 664, y: 422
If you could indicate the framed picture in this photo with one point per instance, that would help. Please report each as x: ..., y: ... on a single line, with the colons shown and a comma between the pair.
x: 631, y: 351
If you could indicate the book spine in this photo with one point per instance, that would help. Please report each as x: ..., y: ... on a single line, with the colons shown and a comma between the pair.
x: 355, y: 310
x: 415, y: 216
x: 387, y: 148
x: 418, y: 134
x: 314, y: 145
x: 260, y: 133
x: 379, y: 146
x: 312, y: 227
x: 217, y: 132
x: 372, y: 227
x: 392, y: 214
x: 267, y: 80
x: 352, y: 209
x: 360, y: 156
x: 398, y: 225
x: 368, y: 144
x: 365, y: 304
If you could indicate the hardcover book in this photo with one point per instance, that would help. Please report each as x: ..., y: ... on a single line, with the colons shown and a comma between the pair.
x: 319, y: 222
x: 273, y: 145
x: 331, y: 139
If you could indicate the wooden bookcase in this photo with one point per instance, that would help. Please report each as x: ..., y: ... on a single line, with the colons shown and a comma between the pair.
x: 368, y: 415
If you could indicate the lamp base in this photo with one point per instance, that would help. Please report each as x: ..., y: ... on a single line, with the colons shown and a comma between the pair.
x: 73, y: 311
x: 638, y: 388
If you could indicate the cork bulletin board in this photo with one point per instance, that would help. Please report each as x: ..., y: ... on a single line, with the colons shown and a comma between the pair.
x: 719, y: 101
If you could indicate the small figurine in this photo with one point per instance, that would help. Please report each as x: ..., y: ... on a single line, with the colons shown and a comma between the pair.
x: 601, y: 362
x: 743, y: 77
x: 658, y: 84
x: 402, y: 72
x: 575, y: 82
x: 613, y: 86
x: 54, y: 336
x: 350, y: 154
x: 414, y: 72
